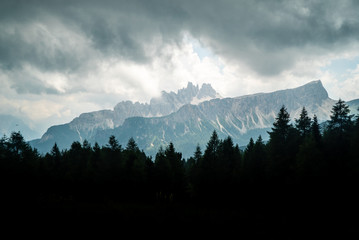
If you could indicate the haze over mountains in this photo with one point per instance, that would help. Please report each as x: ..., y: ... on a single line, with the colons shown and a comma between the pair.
x: 87, y: 125
x: 9, y: 123
x: 188, y: 118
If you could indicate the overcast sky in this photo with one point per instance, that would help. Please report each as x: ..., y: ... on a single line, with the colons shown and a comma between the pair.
x: 61, y: 58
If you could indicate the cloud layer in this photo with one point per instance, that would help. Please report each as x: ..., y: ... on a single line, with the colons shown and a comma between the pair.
x: 56, y: 52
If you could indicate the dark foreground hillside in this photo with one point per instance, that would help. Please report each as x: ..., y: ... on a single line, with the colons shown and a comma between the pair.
x: 303, y: 181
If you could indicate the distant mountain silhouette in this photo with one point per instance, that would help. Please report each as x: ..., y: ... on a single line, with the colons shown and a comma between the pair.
x: 9, y: 123
x: 188, y: 118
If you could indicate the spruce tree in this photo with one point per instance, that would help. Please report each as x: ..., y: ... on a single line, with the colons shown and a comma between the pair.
x: 282, y: 145
x: 340, y: 120
x: 55, y: 157
x: 17, y: 143
x: 113, y: 143
x: 281, y: 127
x: 55, y: 152
x: 162, y: 175
x: 248, y: 158
x: 303, y: 124
x: 176, y: 170
x: 208, y: 174
x: 132, y: 145
x: 212, y: 146
x: 259, y: 156
x: 249, y: 148
x: 315, y: 131
x: 337, y: 139
x: 198, y: 154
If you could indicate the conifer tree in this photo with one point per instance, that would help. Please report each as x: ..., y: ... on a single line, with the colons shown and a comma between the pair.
x: 248, y: 158
x: 249, y: 148
x: 55, y: 152
x: 208, y: 174
x: 113, y: 143
x: 282, y: 145
x: 227, y: 154
x: 132, y: 145
x: 162, y: 174
x: 17, y: 143
x: 212, y: 146
x: 337, y: 139
x: 340, y: 120
x: 259, y: 155
x: 281, y: 127
x: 176, y: 170
x: 303, y: 124
x: 134, y: 165
x: 55, y: 157
x: 315, y: 131
x: 193, y: 170
x: 198, y: 154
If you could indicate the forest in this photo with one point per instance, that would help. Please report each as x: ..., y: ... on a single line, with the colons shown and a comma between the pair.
x: 305, y: 177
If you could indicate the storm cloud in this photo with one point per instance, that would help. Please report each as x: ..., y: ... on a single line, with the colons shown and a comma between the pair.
x: 268, y: 36
x: 58, y: 47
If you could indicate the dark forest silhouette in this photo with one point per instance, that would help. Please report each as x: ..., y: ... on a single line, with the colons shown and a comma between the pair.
x: 304, y: 177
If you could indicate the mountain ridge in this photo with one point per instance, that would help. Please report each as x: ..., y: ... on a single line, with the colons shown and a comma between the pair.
x: 10, y: 123
x: 191, y: 124
x: 235, y: 117
x: 86, y: 125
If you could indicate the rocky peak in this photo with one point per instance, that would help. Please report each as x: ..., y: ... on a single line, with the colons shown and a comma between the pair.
x: 312, y: 92
x: 190, y: 94
x: 207, y: 91
x: 185, y: 95
x: 317, y: 88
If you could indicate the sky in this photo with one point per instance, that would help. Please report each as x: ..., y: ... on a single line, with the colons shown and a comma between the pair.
x: 59, y: 59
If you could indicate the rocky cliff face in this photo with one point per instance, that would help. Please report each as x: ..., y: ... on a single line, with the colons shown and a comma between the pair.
x: 87, y: 125
x: 240, y: 118
x: 174, y: 118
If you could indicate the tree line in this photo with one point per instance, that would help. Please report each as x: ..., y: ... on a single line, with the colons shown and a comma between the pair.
x: 300, y: 169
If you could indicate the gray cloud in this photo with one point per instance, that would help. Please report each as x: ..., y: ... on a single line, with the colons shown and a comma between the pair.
x: 267, y: 36
x: 275, y: 33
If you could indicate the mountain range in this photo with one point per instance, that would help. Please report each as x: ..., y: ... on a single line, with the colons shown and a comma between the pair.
x: 9, y: 124
x: 189, y: 117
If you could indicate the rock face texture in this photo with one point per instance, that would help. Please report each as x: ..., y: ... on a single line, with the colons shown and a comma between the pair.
x: 189, y: 117
x: 87, y: 125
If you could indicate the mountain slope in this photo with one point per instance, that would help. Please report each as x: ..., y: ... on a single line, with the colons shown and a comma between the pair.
x: 354, y: 106
x: 240, y: 118
x: 188, y: 118
x: 87, y: 125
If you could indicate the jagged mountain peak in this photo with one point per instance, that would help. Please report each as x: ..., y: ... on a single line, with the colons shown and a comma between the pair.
x: 186, y: 117
x: 207, y: 91
x: 190, y: 94
x: 190, y: 85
